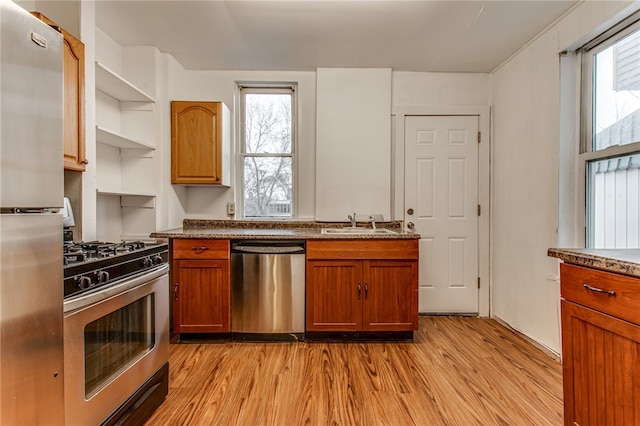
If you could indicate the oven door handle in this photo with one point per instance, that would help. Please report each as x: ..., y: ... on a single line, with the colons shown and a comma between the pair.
x: 75, y: 303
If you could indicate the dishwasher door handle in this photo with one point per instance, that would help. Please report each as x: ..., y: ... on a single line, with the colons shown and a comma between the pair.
x: 269, y: 249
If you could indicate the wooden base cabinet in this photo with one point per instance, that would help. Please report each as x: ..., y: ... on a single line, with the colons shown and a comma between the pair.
x: 362, y: 285
x: 201, y: 286
x: 600, y: 347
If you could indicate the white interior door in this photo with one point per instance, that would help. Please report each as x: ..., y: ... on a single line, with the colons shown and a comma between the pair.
x: 441, y: 201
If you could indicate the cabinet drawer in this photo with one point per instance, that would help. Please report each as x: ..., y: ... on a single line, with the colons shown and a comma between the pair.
x: 613, y: 294
x: 200, y: 249
x: 362, y: 249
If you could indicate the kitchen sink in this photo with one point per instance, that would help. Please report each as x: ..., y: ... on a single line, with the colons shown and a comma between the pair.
x: 357, y: 231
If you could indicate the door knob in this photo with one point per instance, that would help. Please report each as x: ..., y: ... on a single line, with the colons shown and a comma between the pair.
x: 410, y: 212
x: 410, y: 225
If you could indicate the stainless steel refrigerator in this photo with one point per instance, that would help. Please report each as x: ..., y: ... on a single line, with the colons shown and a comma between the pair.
x: 31, y: 192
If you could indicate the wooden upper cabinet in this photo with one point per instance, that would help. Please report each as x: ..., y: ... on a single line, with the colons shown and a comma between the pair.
x: 200, y: 143
x: 73, y: 91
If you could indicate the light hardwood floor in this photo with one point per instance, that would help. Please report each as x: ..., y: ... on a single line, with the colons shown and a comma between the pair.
x: 458, y: 371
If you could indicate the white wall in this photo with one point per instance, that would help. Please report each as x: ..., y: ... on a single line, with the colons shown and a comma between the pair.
x: 211, y: 202
x: 353, y: 151
x: 526, y: 99
x: 173, y: 201
x: 66, y: 13
x: 443, y: 90
x: 440, y: 89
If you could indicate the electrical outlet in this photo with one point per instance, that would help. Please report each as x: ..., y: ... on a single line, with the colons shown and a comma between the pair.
x: 231, y: 208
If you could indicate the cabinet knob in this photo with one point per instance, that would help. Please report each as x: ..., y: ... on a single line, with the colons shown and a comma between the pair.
x: 410, y: 212
x: 85, y: 161
x: 411, y: 225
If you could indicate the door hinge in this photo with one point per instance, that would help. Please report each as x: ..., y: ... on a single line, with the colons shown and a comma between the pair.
x: 478, y: 282
x: 479, y: 137
x: 479, y: 210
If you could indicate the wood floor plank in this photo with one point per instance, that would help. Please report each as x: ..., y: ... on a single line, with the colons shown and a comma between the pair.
x: 457, y: 371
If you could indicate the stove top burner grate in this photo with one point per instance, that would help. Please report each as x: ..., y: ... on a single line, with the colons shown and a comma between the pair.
x: 93, y: 264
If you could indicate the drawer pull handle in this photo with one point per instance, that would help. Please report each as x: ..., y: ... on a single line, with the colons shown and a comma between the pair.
x: 599, y: 290
x: 200, y: 248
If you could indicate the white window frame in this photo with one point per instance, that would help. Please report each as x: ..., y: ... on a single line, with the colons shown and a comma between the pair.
x: 265, y: 87
x: 586, y: 152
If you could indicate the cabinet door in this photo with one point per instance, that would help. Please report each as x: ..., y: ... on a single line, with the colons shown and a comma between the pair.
x: 73, y: 92
x: 601, y: 368
x: 202, y: 296
x: 334, y: 295
x: 196, y: 145
x: 74, y: 149
x: 390, y: 296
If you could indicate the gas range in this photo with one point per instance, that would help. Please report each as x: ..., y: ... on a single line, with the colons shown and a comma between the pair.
x: 96, y: 264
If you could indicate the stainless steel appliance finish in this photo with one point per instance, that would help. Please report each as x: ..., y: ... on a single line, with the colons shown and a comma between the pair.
x: 31, y: 189
x: 116, y: 325
x: 31, y: 121
x: 268, y: 290
x: 117, y: 349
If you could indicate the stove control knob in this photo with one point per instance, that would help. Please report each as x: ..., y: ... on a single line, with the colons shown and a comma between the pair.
x: 83, y: 282
x: 146, y: 262
x: 103, y: 276
x: 157, y: 259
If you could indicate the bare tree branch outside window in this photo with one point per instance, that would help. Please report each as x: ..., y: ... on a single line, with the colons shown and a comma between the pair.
x: 268, y: 160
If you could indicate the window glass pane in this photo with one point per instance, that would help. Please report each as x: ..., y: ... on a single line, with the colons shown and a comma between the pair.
x: 267, y: 123
x: 614, y: 202
x: 267, y: 187
x: 616, y: 115
x: 115, y: 341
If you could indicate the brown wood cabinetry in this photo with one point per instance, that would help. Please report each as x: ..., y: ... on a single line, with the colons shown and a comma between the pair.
x: 73, y: 92
x: 200, y: 143
x: 600, y: 347
x: 362, y: 285
x: 202, y: 286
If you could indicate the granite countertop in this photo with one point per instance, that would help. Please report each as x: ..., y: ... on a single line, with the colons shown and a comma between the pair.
x: 277, y: 230
x: 621, y: 261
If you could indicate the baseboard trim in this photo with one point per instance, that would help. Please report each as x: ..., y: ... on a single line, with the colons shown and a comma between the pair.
x: 449, y: 314
x: 553, y: 354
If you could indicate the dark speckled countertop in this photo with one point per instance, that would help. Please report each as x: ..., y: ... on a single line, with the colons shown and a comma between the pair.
x: 276, y: 230
x: 621, y: 261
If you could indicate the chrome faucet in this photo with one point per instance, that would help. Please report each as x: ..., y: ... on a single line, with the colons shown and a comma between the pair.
x: 353, y: 220
x: 373, y: 222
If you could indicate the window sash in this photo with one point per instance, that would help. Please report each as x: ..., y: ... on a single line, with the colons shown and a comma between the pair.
x: 588, y: 53
x: 242, y: 155
x: 589, y: 156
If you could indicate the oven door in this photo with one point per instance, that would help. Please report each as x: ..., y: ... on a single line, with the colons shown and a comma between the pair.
x: 113, y: 344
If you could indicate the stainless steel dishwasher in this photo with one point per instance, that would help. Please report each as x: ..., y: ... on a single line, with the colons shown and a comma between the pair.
x: 268, y: 290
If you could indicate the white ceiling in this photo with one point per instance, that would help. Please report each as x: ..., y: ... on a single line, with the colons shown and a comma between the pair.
x: 446, y: 36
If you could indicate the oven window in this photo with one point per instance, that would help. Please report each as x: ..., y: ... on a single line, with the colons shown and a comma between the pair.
x: 117, y: 340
